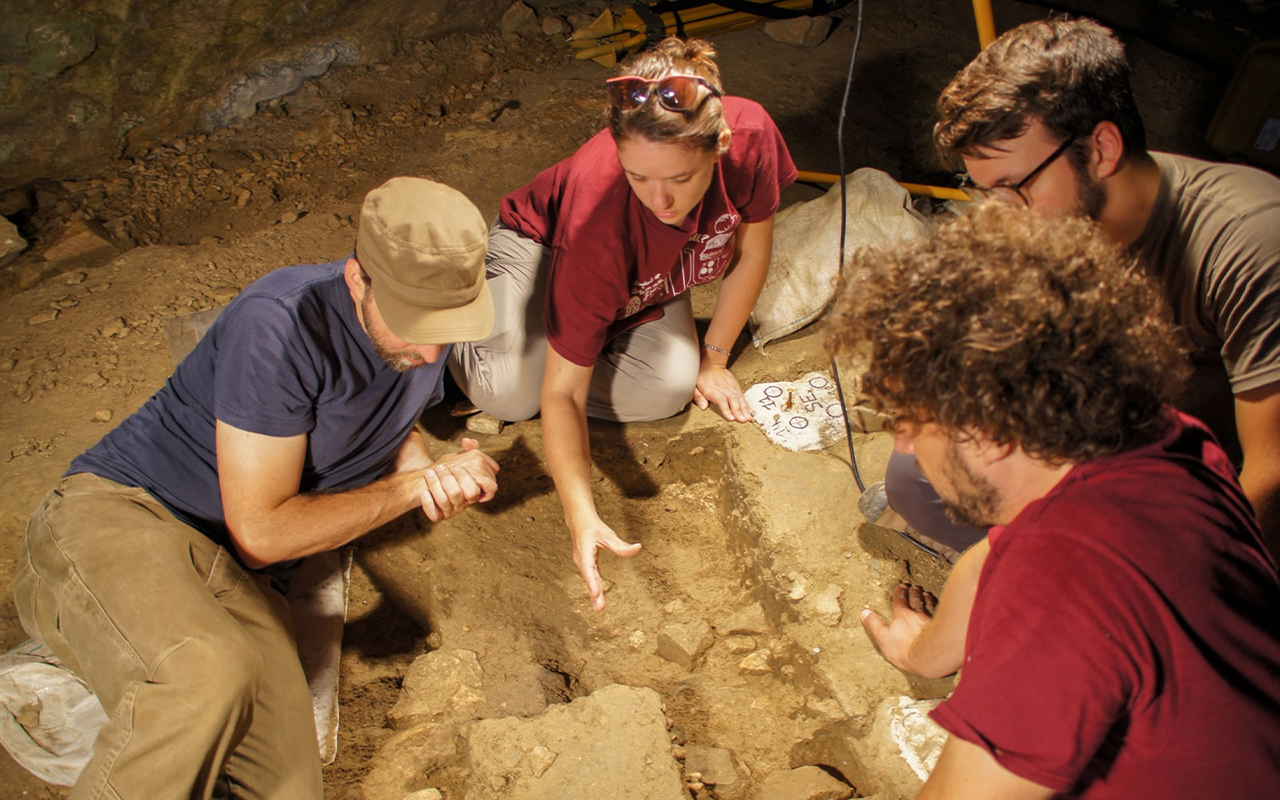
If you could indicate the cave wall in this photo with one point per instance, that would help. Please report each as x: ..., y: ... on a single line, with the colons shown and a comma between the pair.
x: 82, y: 81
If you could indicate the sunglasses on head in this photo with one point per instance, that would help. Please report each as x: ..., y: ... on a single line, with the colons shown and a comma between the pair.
x: 674, y: 92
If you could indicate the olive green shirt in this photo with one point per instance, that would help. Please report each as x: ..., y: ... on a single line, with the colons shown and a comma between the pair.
x: 1213, y: 243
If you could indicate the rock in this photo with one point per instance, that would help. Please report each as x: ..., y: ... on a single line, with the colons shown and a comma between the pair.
x: 805, y: 783
x: 425, y: 794
x: 438, y: 683
x: 484, y: 423
x: 103, y: 415
x: 612, y: 743
x: 747, y: 621
x: 827, y: 605
x: 76, y: 278
x: 715, y: 765
x: 866, y: 420
x: 902, y: 745
x: 801, y: 31
x: 11, y: 242
x: 757, y: 663
x: 44, y: 316
x: 14, y: 201
x: 552, y: 25
x: 81, y: 246
x: 519, y: 18
x: 798, y: 590
x: 684, y: 642
x: 738, y: 644
x: 407, y: 756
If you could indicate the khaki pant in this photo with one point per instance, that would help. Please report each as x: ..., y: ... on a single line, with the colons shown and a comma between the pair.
x: 646, y: 373
x: 191, y: 655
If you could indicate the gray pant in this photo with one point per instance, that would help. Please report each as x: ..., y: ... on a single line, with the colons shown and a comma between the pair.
x: 912, y: 496
x: 646, y: 373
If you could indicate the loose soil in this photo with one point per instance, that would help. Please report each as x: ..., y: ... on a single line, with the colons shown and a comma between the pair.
x: 728, y: 521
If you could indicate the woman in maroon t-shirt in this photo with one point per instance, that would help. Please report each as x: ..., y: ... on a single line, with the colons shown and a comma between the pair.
x: 595, y: 257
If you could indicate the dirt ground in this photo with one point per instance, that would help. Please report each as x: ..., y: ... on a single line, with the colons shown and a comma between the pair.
x: 729, y: 522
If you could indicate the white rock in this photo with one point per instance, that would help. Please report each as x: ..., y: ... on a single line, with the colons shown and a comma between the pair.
x: 827, y: 605
x: 612, y: 743
x: 757, y: 663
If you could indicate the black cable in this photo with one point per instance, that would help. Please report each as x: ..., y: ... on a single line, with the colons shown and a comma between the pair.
x: 844, y: 201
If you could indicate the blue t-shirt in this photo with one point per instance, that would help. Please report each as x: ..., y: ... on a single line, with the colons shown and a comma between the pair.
x: 288, y: 356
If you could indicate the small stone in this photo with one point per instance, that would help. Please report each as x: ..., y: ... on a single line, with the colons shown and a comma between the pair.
x: 424, y: 794
x: 798, y: 591
x: 540, y: 760
x: 288, y: 218
x: 519, y: 18
x: 800, y: 31
x: 48, y: 315
x: 484, y: 423
x: 95, y: 380
x: 103, y: 415
x: 552, y: 25
x: 242, y: 196
x: 684, y: 643
x: 757, y: 663
x: 82, y: 244
x: 827, y: 605
x: 76, y: 278
x: 114, y: 329
x: 805, y: 783
x: 738, y: 644
x: 715, y: 766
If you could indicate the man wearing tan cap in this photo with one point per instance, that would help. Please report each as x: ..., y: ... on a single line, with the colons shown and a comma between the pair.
x: 288, y: 431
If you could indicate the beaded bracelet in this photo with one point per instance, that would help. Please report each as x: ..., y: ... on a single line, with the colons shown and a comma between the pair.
x: 715, y: 349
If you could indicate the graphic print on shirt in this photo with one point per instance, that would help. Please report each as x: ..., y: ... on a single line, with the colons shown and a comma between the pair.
x: 704, y: 258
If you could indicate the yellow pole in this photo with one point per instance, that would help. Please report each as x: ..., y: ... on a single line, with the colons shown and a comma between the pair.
x: 629, y: 22
x: 940, y: 192
x: 986, y: 22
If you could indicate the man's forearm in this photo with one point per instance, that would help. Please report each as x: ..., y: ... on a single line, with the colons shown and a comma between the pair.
x: 317, y: 522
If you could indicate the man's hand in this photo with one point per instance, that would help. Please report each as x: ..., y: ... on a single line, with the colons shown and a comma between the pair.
x: 458, y: 480
x: 912, y: 611
x: 586, y: 543
x: 716, y: 384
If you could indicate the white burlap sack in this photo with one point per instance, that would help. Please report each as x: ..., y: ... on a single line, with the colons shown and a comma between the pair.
x: 806, y: 246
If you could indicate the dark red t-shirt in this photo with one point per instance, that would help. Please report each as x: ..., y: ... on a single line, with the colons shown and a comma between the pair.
x: 1125, y: 638
x: 611, y: 258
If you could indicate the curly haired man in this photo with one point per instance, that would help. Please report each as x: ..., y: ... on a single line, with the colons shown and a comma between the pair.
x: 1045, y: 117
x: 1117, y: 627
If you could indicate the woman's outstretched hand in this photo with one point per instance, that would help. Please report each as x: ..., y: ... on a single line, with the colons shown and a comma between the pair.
x: 586, y: 545
x: 716, y: 384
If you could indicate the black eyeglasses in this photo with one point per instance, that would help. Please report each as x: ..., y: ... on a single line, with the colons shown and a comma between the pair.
x: 675, y: 92
x: 1012, y: 192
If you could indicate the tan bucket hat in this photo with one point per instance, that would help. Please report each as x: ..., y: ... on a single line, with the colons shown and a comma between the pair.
x: 423, y: 246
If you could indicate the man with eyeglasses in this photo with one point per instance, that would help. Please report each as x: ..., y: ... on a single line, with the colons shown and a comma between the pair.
x: 1045, y: 117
